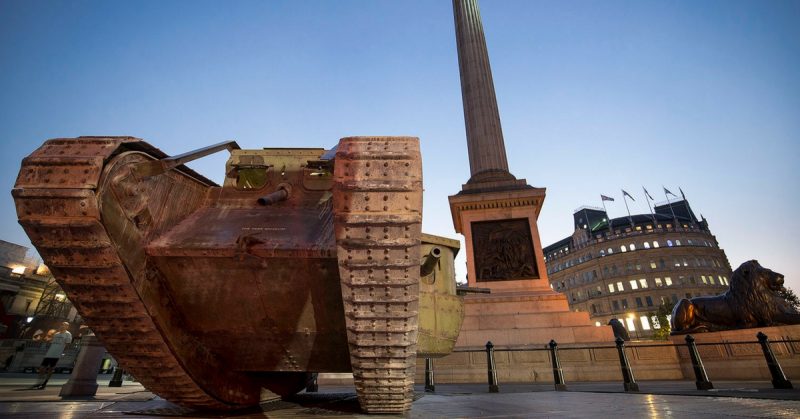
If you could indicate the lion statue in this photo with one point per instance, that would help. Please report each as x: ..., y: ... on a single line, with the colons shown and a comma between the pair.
x: 751, y: 301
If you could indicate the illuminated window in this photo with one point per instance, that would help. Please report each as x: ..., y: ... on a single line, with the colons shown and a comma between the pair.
x: 653, y: 264
x: 703, y: 278
x: 631, y: 325
x: 646, y: 245
x: 711, y: 279
x: 18, y: 270
x: 634, y: 285
x: 685, y: 263
x: 622, y: 248
x: 655, y: 244
x: 677, y: 242
x: 610, y: 250
x: 610, y: 287
x: 602, y: 252
x: 645, y: 323
x: 638, y: 228
x: 656, y: 324
x: 632, y: 247
x: 620, y: 288
x: 667, y: 281
x: 658, y: 282
x: 669, y: 243
x: 643, y: 282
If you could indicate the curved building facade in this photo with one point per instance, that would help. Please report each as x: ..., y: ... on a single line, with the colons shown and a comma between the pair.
x: 628, y: 267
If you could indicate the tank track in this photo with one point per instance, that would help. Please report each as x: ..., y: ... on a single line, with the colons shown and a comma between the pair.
x: 58, y: 208
x: 377, y: 221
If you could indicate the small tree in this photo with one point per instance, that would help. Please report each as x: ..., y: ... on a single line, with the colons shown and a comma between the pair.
x: 662, y: 333
x: 790, y: 298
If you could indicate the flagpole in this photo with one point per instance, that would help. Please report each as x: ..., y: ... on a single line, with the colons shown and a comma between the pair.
x: 686, y: 203
x: 626, y: 208
x: 603, y: 201
x: 652, y: 214
x: 674, y: 219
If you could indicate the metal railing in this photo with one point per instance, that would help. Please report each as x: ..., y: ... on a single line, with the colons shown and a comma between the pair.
x: 702, y: 382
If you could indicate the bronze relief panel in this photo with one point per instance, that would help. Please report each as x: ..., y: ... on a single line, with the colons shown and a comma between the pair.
x: 503, y: 250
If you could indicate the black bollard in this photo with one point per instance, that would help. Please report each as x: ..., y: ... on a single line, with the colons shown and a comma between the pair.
x: 116, y: 379
x: 779, y: 379
x: 492, y: 373
x: 558, y: 374
x: 702, y: 382
x: 627, y: 373
x: 313, y: 385
x: 430, y: 386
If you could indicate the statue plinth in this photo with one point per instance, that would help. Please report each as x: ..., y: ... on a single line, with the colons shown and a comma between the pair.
x: 498, y: 221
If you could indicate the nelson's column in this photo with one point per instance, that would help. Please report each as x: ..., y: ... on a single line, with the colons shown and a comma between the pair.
x: 497, y: 213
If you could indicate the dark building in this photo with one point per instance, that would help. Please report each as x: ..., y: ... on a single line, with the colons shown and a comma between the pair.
x: 626, y: 267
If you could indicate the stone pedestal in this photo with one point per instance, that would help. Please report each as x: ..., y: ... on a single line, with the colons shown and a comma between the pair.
x: 504, y: 254
x: 83, y: 381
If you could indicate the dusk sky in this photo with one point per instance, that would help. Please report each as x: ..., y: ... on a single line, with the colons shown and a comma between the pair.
x: 594, y: 96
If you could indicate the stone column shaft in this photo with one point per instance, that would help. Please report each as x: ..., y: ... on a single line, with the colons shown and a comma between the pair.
x: 484, y: 134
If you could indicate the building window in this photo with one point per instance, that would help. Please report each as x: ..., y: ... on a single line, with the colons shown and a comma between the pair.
x: 638, y: 301
x: 632, y: 247
x: 692, y: 280
x: 631, y: 325
x: 643, y: 282
x: 620, y: 288
x: 685, y: 262
x: 658, y: 282
x: 674, y: 298
x: 634, y: 285
x: 602, y: 252
x: 667, y: 281
x: 638, y: 266
x: 616, y: 305
x: 689, y: 241
x: 653, y: 264
x: 610, y: 250
x: 655, y: 244
x: 703, y: 278
x: 677, y: 242
x: 649, y: 301
x: 645, y: 323
x: 669, y: 243
x: 711, y: 279
x: 662, y: 264
x: 646, y: 245
x: 624, y: 303
x: 610, y: 287
x: 677, y: 263
x: 623, y: 249
x: 594, y: 309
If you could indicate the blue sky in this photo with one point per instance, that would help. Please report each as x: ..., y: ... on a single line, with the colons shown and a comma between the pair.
x: 594, y: 96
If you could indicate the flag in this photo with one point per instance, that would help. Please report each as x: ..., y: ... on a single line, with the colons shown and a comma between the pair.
x: 606, y: 198
x: 682, y: 195
x: 666, y: 191
x: 627, y: 194
x: 648, y: 194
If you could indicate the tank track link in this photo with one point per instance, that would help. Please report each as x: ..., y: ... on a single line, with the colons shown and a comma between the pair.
x: 57, y: 205
x: 377, y: 221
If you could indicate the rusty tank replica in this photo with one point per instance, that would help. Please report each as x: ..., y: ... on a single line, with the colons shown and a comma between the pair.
x: 305, y: 260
